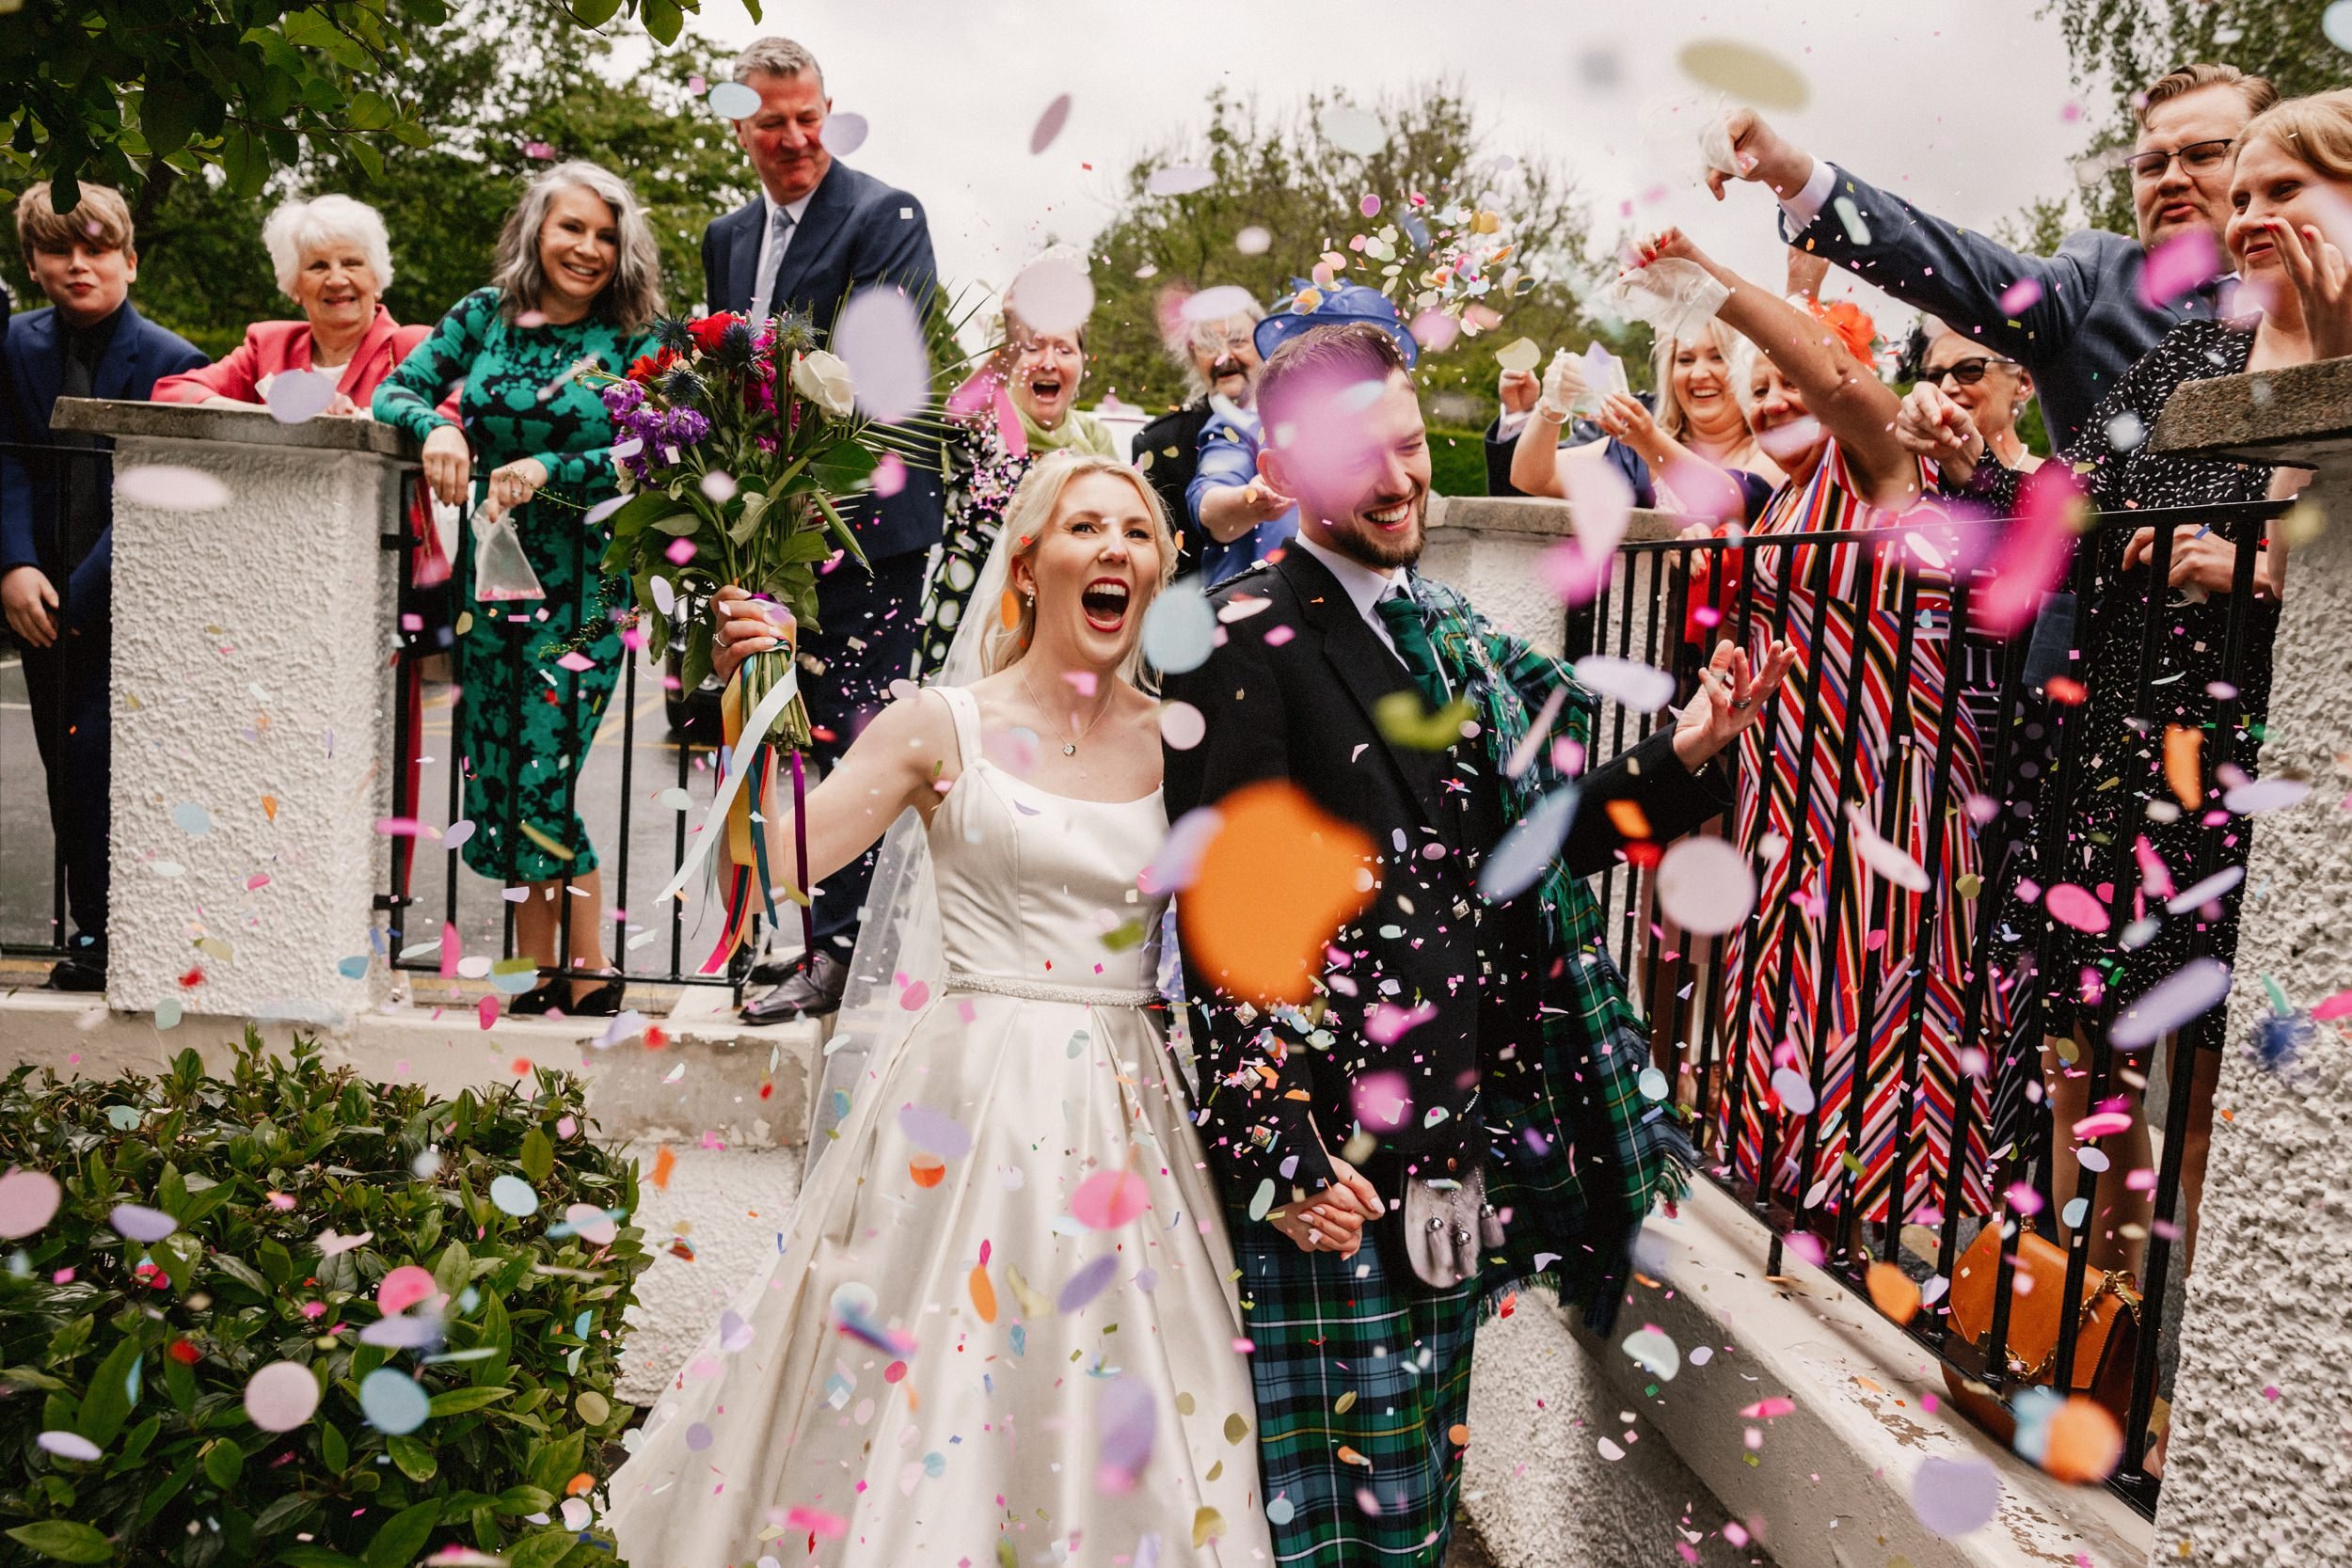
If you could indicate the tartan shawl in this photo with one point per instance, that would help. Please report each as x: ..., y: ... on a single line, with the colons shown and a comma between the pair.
x: 1577, y: 1151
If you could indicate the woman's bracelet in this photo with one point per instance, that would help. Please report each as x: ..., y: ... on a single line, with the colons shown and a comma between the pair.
x: 1551, y: 413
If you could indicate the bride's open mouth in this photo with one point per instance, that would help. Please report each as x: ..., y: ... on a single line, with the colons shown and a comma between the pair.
x: 1105, y: 602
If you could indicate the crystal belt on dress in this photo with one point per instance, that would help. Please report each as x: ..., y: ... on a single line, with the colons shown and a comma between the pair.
x: 1038, y: 990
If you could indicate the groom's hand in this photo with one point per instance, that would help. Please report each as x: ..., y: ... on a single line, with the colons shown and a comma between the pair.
x: 1730, y: 697
x: 1333, y: 1219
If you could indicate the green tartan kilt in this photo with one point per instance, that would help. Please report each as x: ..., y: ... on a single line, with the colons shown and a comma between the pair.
x: 1324, y: 1328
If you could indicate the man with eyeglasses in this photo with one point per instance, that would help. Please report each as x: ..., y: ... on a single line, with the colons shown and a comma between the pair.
x: 2086, y: 320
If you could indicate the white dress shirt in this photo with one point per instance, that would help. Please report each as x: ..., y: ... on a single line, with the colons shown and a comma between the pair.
x: 771, y: 248
x: 1366, y: 586
x: 1805, y: 203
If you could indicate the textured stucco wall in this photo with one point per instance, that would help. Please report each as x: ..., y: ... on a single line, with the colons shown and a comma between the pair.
x: 251, y: 683
x: 2261, y: 1458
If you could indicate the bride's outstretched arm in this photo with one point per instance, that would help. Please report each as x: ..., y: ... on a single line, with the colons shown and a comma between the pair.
x: 895, y: 762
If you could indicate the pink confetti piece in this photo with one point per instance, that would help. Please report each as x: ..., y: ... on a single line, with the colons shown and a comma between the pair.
x: 1049, y: 124
x: 576, y: 660
x: 487, y: 1010
x: 1109, y: 1199
x: 816, y: 1520
x: 1764, y: 1410
x: 404, y: 1288
x: 1383, y: 1102
x: 2335, y: 1007
x: 2020, y: 296
x: 2032, y: 556
x: 680, y: 551
x: 1389, y: 1022
x: 2178, y: 265
x: 2077, y: 907
x: 2102, y: 1124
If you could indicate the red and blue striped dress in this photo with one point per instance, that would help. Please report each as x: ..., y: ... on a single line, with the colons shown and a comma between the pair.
x: 1867, y: 937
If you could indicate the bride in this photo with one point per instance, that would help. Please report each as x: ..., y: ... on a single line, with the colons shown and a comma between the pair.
x: 1002, y: 1327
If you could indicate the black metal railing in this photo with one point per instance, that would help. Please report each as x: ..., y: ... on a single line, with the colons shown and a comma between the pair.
x: 1974, y: 756
x: 427, y: 894
x: 38, y: 768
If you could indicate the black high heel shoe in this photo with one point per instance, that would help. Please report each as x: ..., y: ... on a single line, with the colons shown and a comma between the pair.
x: 534, y: 1003
x: 603, y: 1002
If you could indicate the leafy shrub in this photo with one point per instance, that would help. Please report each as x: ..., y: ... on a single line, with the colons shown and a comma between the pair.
x: 146, y: 1350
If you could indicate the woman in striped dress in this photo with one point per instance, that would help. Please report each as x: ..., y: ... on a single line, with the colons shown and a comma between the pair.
x: 1825, y: 981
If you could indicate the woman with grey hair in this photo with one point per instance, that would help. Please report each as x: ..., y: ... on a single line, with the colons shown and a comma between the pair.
x: 1218, y: 359
x: 334, y: 259
x: 578, y: 281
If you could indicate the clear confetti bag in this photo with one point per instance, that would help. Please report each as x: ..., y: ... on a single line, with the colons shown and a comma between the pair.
x: 1604, y: 374
x: 500, y: 570
x: 1676, y: 297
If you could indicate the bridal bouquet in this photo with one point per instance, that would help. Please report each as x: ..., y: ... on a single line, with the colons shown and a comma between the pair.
x: 738, y: 442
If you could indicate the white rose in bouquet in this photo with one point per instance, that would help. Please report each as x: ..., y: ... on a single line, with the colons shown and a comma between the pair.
x: 824, y: 380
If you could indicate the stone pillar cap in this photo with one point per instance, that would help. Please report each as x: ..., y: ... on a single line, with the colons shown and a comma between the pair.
x: 187, y: 421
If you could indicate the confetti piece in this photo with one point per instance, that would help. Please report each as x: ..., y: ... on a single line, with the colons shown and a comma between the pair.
x: 733, y: 101
x: 1705, y: 886
x: 2206, y: 892
x: 281, y: 1396
x: 1356, y: 131
x: 1049, y: 124
x: 1643, y: 688
x: 28, y: 1200
x: 2032, y: 555
x: 2081, y: 1442
x: 1087, y: 1283
x: 170, y: 487
x: 298, y: 396
x: 1179, y: 180
x: 192, y: 820
x: 393, y: 1402
x: 881, y: 337
x: 1262, y: 1201
x: 404, y: 1288
x: 1273, y: 884
x: 1653, y: 1352
x: 1954, y: 1496
x: 2182, y: 748
x: 1527, y: 849
x: 1281, y: 1510
x: 845, y: 131
x: 983, y: 1293
x: 663, y: 1163
x: 1893, y: 1293
x: 1764, y: 1410
x: 1207, y: 1526
x: 139, y: 1223
x: 1881, y: 856
x: 1051, y: 294
x: 934, y: 1131
x: 816, y: 1521
x: 1109, y: 1199
x: 514, y: 1196
x: 546, y: 841
x: 595, y: 1225
x: 1405, y: 720
x: 1179, y: 628
x: 1795, y: 1091
x: 1519, y: 356
x: 1125, y: 1414
x: 2188, y: 993
x: 2021, y: 296
x: 927, y: 1170
x: 69, y: 1445
x: 2077, y: 907
x: 2179, y: 264
x: 1745, y: 72
x: 2266, y: 795
x: 1221, y: 303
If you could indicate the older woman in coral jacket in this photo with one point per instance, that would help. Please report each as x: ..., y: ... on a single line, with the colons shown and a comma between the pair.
x: 334, y: 259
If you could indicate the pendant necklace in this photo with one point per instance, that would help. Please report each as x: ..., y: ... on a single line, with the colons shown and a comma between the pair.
x: 1070, y: 743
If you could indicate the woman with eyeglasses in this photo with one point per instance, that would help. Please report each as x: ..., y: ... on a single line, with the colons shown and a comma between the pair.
x: 1992, y: 389
x: 2132, y: 838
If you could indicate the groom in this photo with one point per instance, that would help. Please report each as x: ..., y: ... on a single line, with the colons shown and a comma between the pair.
x: 1521, y: 1076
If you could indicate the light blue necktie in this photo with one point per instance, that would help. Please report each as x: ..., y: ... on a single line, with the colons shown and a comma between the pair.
x: 779, y: 235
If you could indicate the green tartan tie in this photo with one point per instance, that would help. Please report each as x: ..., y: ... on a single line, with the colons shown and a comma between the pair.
x: 1410, y: 634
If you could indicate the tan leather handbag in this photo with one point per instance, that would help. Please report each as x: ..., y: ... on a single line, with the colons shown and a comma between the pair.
x: 2107, y: 1343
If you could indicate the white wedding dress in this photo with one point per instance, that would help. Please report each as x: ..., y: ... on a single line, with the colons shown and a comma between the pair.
x: 1004, y: 1434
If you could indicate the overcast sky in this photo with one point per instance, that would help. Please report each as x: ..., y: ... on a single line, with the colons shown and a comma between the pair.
x: 1963, y: 106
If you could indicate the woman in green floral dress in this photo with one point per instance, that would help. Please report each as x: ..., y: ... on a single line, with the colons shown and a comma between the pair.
x: 577, y: 280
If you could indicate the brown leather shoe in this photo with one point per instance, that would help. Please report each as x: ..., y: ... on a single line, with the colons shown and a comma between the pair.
x: 813, y: 990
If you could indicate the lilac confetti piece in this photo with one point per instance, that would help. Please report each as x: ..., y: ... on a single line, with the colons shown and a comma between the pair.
x: 1049, y: 124
x: 1087, y: 1283
x: 2188, y: 993
x: 141, y: 1224
x: 1127, y: 1416
x: 934, y: 1131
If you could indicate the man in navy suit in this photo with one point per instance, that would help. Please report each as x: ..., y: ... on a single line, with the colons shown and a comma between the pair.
x: 817, y: 231
x: 2085, y: 321
x: 56, y: 510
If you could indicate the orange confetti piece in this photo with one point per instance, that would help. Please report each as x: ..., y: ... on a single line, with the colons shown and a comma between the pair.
x: 1273, y: 885
x: 1625, y: 816
x: 663, y: 1163
x: 983, y: 1294
x: 1459, y: 1436
x: 1009, y: 609
x: 269, y: 807
x: 2184, y: 748
x: 927, y: 1171
x: 1349, y: 1456
x: 1893, y: 1291
x: 2084, y: 1442
x: 579, y: 1485
x: 520, y: 1066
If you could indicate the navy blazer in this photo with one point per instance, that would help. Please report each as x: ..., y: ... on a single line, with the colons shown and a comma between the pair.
x: 140, y: 355
x: 856, y: 232
x: 2087, y: 329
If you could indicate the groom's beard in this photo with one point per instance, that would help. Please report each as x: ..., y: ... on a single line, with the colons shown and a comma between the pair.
x: 1363, y: 542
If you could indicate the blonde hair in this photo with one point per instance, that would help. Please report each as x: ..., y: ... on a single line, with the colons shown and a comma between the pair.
x: 101, y: 220
x: 2314, y: 131
x: 298, y: 225
x: 1034, y: 506
x: 631, y: 297
x: 2200, y: 74
x: 1673, y: 418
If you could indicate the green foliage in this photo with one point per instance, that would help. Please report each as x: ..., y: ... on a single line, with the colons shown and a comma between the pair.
x: 125, y: 91
x: 1285, y: 174
x: 1457, y: 462
x: 146, y: 1350
x: 2123, y: 46
x: 497, y: 93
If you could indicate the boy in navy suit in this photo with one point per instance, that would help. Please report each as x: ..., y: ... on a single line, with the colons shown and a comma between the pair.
x: 56, y: 509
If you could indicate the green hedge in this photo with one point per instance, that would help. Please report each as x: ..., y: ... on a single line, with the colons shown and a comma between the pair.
x: 146, y: 1350
x: 1457, y: 462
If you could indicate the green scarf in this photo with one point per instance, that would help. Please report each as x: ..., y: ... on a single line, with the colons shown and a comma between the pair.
x: 1609, y: 1151
x: 1077, y: 432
